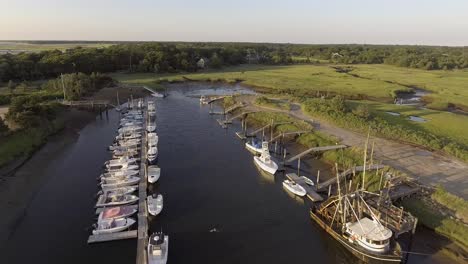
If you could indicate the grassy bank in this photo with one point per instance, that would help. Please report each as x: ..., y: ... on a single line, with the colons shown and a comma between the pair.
x: 267, y: 102
x: 434, y: 220
x: 24, y: 142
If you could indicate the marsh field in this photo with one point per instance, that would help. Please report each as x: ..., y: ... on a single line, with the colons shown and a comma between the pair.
x: 371, y: 86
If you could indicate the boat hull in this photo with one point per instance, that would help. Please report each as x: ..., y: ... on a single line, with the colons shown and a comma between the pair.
x: 300, y: 192
x: 253, y: 149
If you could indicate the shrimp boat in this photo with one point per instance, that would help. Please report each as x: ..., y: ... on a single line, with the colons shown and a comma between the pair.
x: 294, y: 188
x: 154, y: 172
x: 254, y: 146
x: 351, y: 221
x: 155, y: 204
x: 158, y: 247
x: 105, y: 200
x: 113, y: 225
x: 264, y: 161
x: 116, y: 212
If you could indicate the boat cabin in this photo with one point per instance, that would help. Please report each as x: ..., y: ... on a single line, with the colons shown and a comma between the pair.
x: 155, y: 244
x: 369, y: 234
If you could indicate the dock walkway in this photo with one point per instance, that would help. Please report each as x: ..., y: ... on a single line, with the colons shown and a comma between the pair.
x: 141, y: 257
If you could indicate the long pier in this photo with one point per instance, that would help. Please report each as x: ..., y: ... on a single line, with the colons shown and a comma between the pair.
x: 142, y: 257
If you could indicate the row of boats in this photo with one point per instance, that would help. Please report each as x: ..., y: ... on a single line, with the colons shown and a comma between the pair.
x: 121, y: 176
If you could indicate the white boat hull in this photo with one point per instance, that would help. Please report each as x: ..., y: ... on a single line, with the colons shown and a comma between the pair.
x: 252, y: 148
x: 295, y: 189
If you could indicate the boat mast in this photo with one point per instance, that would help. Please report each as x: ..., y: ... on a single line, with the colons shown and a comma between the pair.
x: 365, y: 161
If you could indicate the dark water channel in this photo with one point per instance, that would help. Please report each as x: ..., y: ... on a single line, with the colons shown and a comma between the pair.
x: 209, y: 182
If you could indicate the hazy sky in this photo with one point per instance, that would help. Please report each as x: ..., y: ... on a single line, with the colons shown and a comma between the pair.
x: 432, y: 22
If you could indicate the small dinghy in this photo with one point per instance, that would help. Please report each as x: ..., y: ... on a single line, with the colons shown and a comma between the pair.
x: 152, y: 155
x: 254, y: 146
x: 294, y: 188
x: 116, y: 212
x: 264, y: 161
x: 113, y: 225
x: 105, y: 200
x: 116, y: 183
x: 119, y: 191
x: 155, y: 204
x: 157, y: 95
x: 153, y: 173
x: 307, y: 181
x: 120, y: 173
x: 158, y: 247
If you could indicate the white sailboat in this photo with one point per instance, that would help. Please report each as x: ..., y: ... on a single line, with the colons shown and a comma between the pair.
x: 158, y: 247
x: 264, y: 161
x: 294, y: 188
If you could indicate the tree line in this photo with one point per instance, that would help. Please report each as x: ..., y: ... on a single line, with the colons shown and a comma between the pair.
x: 185, y: 57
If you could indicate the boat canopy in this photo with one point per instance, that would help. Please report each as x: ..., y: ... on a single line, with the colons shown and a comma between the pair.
x: 369, y: 229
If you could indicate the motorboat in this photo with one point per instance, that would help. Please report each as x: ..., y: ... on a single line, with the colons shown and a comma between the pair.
x: 157, y: 95
x: 307, y: 181
x: 153, y: 173
x: 121, y: 160
x: 130, y: 129
x: 127, y: 136
x: 128, y: 153
x: 121, y: 166
x: 254, y: 146
x: 155, y: 204
x: 150, y: 127
x: 152, y: 155
x: 120, y: 173
x: 158, y: 247
x: 116, y: 183
x: 105, y: 200
x: 264, y: 161
x: 119, y: 191
x: 116, y: 212
x: 294, y: 188
x: 203, y: 100
x: 113, y: 225
x: 153, y: 140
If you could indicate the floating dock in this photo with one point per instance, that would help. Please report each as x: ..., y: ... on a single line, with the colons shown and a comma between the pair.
x: 112, y: 236
x: 314, y: 196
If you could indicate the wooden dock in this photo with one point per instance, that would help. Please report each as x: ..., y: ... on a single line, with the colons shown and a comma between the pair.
x: 142, y: 257
x: 315, y: 149
x: 112, y: 236
x: 311, y: 193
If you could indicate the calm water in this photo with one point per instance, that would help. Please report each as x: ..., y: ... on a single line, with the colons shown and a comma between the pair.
x: 208, y: 181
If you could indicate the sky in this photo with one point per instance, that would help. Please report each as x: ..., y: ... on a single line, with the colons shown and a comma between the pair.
x: 415, y: 22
